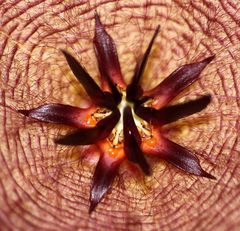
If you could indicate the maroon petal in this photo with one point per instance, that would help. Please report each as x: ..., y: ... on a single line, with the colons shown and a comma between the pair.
x: 134, y: 91
x: 172, y: 113
x: 100, y: 98
x: 132, y: 142
x: 177, y: 82
x: 182, y: 158
x: 104, y: 175
x: 107, y: 56
x: 88, y: 136
x: 61, y: 114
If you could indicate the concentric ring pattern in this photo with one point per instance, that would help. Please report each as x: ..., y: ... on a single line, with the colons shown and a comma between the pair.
x: 45, y: 186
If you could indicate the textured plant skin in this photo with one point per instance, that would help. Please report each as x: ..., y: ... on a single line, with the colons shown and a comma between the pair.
x: 121, y: 103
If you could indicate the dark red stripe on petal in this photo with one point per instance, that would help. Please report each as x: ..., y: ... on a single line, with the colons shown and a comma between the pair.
x: 91, y: 135
x: 61, y: 114
x: 107, y: 56
x: 177, y: 82
x: 181, y: 158
x: 134, y: 91
x: 132, y: 142
x: 100, y: 98
x: 172, y: 113
x: 104, y: 175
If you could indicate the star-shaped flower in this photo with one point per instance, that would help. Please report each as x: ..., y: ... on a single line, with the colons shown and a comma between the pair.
x: 124, y: 122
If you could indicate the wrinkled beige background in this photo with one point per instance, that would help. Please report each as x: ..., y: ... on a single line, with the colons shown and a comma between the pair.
x: 46, y: 187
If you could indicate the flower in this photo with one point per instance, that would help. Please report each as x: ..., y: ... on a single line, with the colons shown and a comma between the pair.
x: 124, y: 121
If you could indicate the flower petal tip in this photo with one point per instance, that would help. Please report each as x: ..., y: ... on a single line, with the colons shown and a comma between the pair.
x: 66, y: 54
x: 134, y: 90
x: 209, y: 59
x: 98, y: 24
x: 157, y: 29
x: 93, y: 205
x: 147, y: 171
x: 199, y: 104
x: 61, y: 141
x: 97, y: 18
x: 208, y: 175
x: 63, y: 51
x: 23, y: 112
x: 207, y: 98
x: 104, y: 175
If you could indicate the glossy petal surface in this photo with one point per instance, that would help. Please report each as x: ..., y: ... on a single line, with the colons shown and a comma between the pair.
x: 132, y: 142
x: 172, y: 113
x: 134, y: 90
x: 88, y: 136
x: 99, y: 97
x: 176, y: 82
x: 182, y: 158
x: 107, y: 57
x: 104, y: 175
x: 61, y: 114
x: 175, y: 154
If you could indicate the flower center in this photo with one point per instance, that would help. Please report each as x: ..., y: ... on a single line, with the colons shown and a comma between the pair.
x: 144, y: 129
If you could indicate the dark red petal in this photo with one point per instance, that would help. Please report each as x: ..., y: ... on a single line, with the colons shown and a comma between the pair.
x: 104, y: 175
x: 180, y: 157
x: 177, y: 82
x: 61, y: 114
x: 132, y: 142
x: 134, y: 91
x: 172, y: 113
x: 107, y: 56
x: 88, y: 136
x: 99, y: 97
